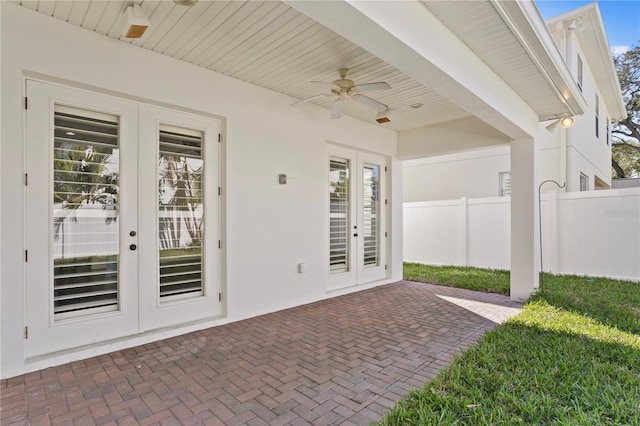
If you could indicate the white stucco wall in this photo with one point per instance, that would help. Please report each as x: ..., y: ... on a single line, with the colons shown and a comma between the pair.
x: 474, y: 173
x: 264, y: 136
x: 591, y: 154
x: 471, y: 174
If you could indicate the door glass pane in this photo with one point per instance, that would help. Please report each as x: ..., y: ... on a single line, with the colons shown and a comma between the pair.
x: 180, y: 212
x: 338, y: 215
x: 85, y: 212
x: 370, y: 209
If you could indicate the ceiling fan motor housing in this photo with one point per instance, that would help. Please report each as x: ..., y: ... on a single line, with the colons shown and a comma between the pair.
x: 345, y: 84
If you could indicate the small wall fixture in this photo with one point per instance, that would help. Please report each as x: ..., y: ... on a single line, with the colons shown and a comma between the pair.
x: 383, y: 117
x: 136, y: 22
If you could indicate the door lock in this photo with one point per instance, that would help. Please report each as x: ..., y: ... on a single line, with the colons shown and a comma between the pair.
x: 132, y: 233
x: 133, y: 247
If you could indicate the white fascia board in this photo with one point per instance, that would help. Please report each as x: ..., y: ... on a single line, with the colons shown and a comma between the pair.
x: 594, y: 43
x: 407, y: 36
x: 526, y: 24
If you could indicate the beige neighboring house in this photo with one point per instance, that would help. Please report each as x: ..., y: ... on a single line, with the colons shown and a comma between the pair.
x: 579, y: 156
x: 625, y: 183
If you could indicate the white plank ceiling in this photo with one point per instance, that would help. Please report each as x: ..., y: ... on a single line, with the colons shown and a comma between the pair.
x: 269, y: 44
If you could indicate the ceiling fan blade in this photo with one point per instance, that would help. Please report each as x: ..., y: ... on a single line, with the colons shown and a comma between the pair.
x: 312, y: 98
x: 336, y: 111
x: 371, y: 103
x: 380, y: 85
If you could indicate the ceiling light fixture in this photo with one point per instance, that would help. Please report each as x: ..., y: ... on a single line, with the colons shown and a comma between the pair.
x: 383, y: 117
x: 136, y: 22
x: 185, y: 2
x: 417, y: 105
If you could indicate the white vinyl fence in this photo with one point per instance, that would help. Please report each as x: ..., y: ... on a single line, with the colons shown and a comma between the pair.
x: 594, y: 233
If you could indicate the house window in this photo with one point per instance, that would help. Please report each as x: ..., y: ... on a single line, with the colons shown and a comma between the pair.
x: 180, y: 212
x: 85, y: 205
x: 579, y: 72
x: 584, y: 182
x: 370, y: 214
x: 339, y: 215
x: 505, y: 184
x: 597, y: 116
x: 608, y: 131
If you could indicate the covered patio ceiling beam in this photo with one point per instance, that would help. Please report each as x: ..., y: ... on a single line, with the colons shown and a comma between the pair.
x: 414, y: 41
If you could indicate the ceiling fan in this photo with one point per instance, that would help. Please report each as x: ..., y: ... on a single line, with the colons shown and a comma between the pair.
x: 344, y: 89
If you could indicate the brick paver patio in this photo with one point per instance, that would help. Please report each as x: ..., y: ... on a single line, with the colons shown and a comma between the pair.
x: 339, y: 361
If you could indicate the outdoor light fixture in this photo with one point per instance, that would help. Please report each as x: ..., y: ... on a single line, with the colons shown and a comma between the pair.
x: 136, y: 22
x: 383, y: 117
x: 567, y: 122
x: 575, y: 24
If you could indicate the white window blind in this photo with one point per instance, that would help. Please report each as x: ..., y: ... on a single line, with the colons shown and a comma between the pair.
x: 180, y: 212
x: 85, y: 212
x: 339, y: 209
x: 505, y: 184
x: 370, y: 209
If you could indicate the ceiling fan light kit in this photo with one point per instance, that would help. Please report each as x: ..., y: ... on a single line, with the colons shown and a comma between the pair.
x: 345, y: 89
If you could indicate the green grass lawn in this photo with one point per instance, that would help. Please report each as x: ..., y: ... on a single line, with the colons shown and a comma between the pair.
x: 487, y: 280
x: 572, y: 357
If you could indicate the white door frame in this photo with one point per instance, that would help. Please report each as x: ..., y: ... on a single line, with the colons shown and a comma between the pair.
x: 139, y: 308
x: 357, y: 273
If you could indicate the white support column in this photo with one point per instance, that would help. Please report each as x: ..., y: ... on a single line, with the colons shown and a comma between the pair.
x: 524, y: 239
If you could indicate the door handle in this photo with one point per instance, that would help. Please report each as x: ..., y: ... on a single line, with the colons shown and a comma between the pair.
x: 355, y: 235
x: 133, y: 247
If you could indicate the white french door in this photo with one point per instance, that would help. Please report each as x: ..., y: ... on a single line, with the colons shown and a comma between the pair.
x: 357, y: 217
x: 116, y: 198
x: 180, y: 273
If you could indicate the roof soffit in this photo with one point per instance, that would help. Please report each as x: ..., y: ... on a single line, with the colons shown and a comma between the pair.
x: 513, y: 40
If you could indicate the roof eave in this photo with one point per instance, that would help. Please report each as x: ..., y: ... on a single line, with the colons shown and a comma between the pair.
x: 527, y: 25
x: 607, y: 77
